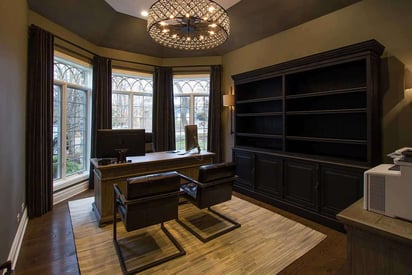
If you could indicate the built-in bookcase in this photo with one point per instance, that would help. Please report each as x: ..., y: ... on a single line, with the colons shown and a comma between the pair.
x: 326, y: 111
x: 259, y: 114
x: 323, y: 109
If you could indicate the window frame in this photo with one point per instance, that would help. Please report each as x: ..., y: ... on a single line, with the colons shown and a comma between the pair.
x: 68, y: 180
x: 192, y: 119
x: 131, y: 94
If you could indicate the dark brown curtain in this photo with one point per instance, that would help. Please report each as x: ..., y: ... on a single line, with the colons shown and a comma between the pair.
x: 163, y: 110
x: 101, y: 102
x: 39, y: 144
x: 215, y: 103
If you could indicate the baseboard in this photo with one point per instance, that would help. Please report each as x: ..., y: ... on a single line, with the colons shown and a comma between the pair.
x: 18, y: 239
x: 57, y: 197
x: 69, y: 192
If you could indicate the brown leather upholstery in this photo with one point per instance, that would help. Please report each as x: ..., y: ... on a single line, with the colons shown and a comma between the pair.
x: 148, y: 200
x: 211, y: 172
x: 213, y: 187
x: 160, y: 203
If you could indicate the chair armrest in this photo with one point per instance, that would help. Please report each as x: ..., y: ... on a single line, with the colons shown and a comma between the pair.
x: 203, y: 185
x: 189, y: 179
x: 119, y: 194
x: 217, y: 182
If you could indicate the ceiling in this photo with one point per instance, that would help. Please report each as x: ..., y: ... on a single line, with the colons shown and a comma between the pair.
x: 250, y: 20
x: 134, y: 7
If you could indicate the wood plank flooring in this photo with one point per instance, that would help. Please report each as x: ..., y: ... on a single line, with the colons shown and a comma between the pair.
x: 48, y: 245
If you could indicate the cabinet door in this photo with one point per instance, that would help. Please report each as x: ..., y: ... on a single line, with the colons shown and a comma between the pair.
x: 301, y: 183
x: 244, y: 169
x: 268, y: 175
x: 340, y: 187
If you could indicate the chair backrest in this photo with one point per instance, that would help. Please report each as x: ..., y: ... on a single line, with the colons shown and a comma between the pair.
x: 217, y: 171
x: 217, y: 182
x: 150, y: 185
x: 156, y: 200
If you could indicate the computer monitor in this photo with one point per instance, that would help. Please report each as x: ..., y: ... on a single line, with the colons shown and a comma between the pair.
x: 126, y: 142
x: 191, y: 138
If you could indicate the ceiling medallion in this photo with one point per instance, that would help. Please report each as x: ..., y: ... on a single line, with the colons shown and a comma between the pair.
x: 188, y: 25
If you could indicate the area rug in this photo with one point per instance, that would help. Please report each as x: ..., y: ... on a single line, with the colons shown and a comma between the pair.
x: 265, y: 243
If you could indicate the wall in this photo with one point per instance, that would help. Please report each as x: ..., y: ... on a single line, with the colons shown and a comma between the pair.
x: 389, y: 22
x: 13, y: 67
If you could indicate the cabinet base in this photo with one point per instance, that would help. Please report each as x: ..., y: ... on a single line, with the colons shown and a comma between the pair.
x: 305, y: 213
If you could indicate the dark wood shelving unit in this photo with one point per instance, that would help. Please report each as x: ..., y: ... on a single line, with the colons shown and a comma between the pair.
x: 315, y: 122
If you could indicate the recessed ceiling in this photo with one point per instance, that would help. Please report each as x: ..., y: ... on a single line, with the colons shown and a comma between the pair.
x: 250, y: 21
x: 135, y: 7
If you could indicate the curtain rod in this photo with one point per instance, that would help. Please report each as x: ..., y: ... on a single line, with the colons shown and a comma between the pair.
x: 120, y: 60
x: 93, y: 53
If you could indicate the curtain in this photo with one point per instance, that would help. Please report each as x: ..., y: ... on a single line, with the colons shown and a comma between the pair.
x: 214, y: 122
x: 163, y: 110
x: 39, y: 144
x: 101, y: 102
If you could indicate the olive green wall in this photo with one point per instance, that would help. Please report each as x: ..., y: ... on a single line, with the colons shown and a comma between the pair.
x: 13, y: 67
x: 389, y: 22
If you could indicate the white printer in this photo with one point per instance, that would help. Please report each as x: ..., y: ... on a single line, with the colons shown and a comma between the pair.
x: 388, y: 187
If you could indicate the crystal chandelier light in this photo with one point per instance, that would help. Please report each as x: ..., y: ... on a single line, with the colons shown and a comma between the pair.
x: 188, y: 25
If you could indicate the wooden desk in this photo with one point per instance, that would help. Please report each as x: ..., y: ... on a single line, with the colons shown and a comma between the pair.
x: 107, y: 175
x: 377, y: 244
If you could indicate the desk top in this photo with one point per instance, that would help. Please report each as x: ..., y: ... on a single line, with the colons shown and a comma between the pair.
x: 355, y: 215
x: 155, y: 157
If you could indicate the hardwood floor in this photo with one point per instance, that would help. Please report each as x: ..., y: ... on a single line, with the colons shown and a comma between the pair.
x: 48, y: 246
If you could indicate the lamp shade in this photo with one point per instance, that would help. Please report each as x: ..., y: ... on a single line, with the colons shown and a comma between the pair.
x: 228, y: 100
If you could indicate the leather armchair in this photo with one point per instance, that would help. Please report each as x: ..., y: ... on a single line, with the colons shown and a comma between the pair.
x: 214, y: 186
x: 148, y: 200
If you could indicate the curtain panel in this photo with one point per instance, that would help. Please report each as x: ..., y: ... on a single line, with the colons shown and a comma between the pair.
x: 163, y: 110
x: 39, y: 144
x: 215, y: 109
x: 101, y: 103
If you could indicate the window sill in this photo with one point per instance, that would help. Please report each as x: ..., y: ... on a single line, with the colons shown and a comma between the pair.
x: 69, y: 181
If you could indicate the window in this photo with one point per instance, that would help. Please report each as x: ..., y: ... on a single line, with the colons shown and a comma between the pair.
x: 71, y: 120
x: 132, y: 100
x: 191, y: 102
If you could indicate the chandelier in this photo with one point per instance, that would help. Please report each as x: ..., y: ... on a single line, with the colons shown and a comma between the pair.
x: 188, y: 25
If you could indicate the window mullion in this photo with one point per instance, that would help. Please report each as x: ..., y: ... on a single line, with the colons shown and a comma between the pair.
x: 192, y: 109
x: 64, y: 130
x: 131, y: 117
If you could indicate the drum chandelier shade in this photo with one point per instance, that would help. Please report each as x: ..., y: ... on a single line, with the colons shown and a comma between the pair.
x: 188, y: 25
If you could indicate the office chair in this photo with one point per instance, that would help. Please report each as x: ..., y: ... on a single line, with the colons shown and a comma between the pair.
x: 148, y: 200
x: 214, y: 186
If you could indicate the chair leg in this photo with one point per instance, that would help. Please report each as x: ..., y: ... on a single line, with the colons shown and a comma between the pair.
x: 180, y: 252
x: 213, y: 236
